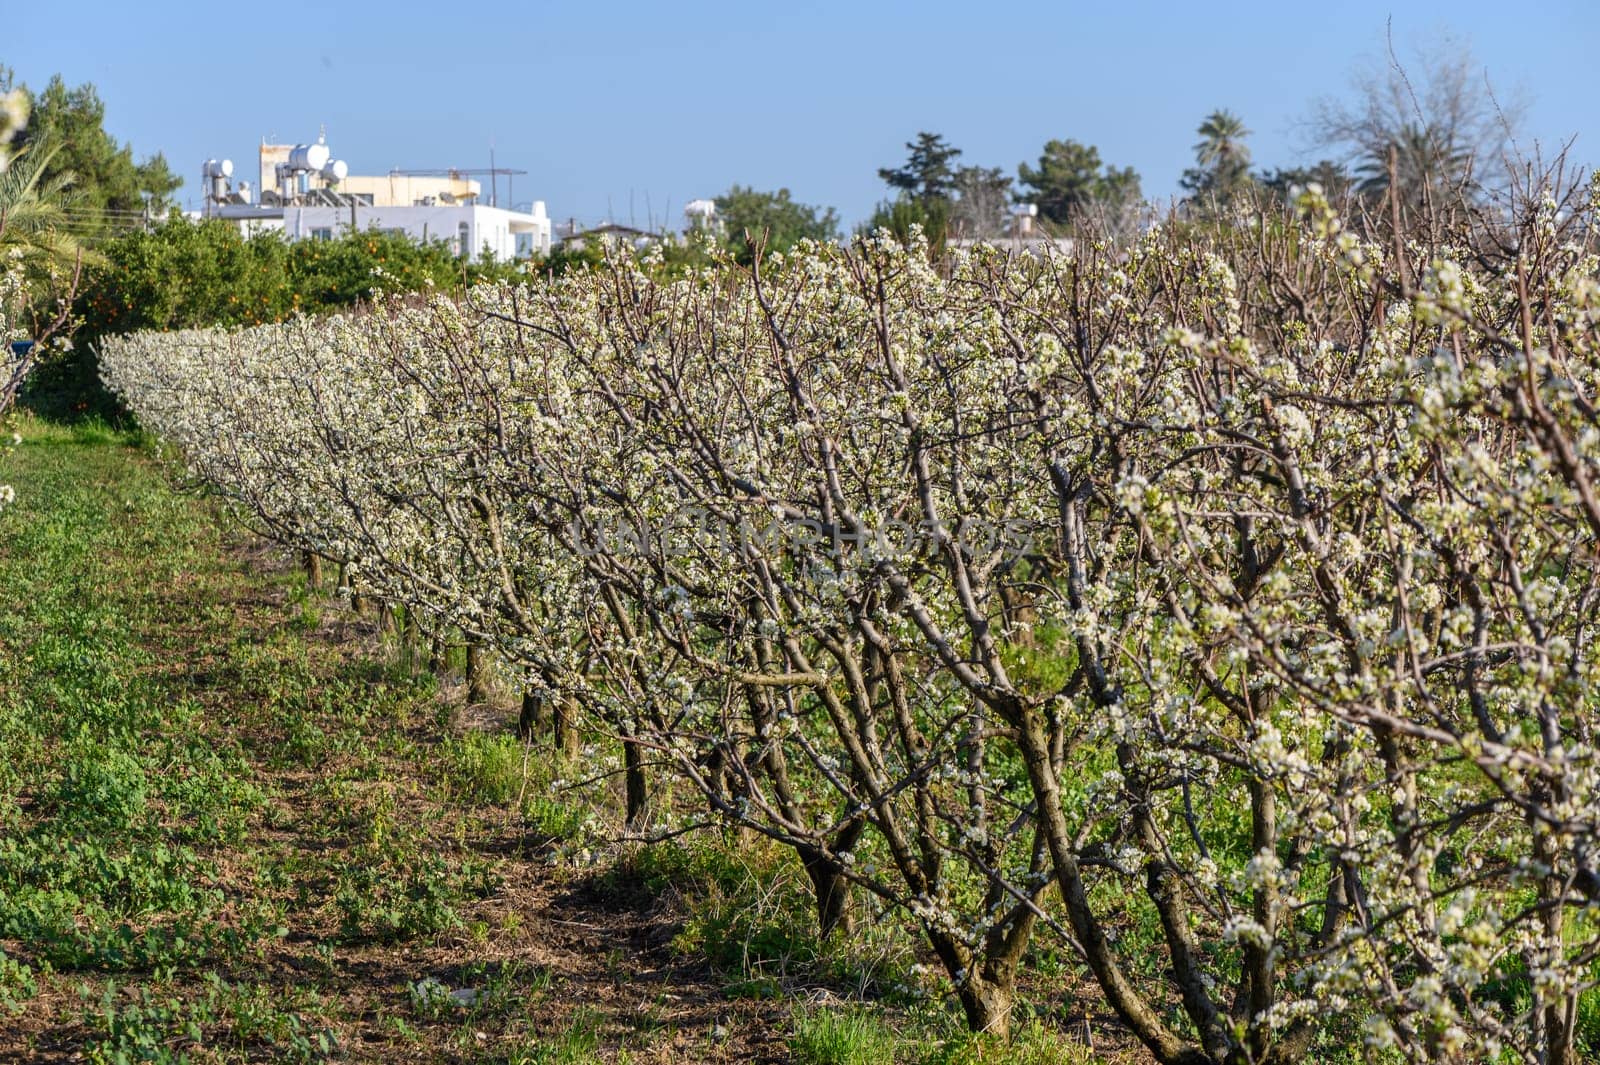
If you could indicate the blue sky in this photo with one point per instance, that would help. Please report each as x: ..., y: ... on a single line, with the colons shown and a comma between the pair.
x: 630, y: 109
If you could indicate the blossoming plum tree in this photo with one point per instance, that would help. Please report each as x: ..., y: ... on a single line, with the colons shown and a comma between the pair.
x: 1239, y: 585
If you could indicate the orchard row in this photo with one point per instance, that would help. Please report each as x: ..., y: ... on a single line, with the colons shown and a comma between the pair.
x: 1275, y: 701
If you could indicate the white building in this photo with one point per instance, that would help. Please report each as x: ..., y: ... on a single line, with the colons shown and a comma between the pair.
x: 307, y: 195
x: 470, y: 229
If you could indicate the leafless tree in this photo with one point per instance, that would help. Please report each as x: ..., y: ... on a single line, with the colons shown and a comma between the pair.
x: 1436, y: 110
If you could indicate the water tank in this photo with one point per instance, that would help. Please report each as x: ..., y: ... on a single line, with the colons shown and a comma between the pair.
x: 700, y: 208
x: 218, y: 168
x: 309, y: 156
x: 244, y: 191
x: 335, y: 172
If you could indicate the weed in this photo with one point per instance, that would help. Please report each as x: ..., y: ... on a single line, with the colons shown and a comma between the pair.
x: 17, y: 984
x: 841, y: 1037
x: 141, y: 1029
x: 575, y: 1044
x: 1030, y: 1044
x: 103, y: 787
x: 552, y: 819
x: 385, y: 904
x: 93, y: 431
x: 480, y: 767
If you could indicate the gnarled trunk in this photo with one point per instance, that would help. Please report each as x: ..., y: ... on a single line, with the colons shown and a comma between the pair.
x: 477, y: 674
x: 831, y: 891
x: 534, y: 718
x: 565, y: 725
x: 638, y: 794
x: 988, y: 1004
x: 311, y: 562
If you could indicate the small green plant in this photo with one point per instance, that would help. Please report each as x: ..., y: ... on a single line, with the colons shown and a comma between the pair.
x: 141, y: 1029
x: 485, y: 768
x: 93, y: 431
x: 391, y: 905
x: 1589, y: 1021
x: 503, y: 990
x: 749, y: 908
x: 1030, y: 1044
x: 309, y: 617
x: 553, y: 819
x: 841, y: 1037
x: 102, y: 786
x: 255, y: 1014
x: 575, y: 1044
x: 17, y: 984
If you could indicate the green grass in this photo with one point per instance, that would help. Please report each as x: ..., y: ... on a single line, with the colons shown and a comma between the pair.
x: 199, y: 801
x: 842, y: 1037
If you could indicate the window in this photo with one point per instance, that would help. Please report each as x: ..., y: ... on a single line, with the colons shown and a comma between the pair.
x: 322, y: 233
x: 464, y: 239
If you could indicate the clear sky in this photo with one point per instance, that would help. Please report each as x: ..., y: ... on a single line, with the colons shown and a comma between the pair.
x: 631, y: 109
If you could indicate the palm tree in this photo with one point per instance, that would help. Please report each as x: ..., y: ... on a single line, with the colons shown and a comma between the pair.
x: 1222, y: 146
x: 1427, y: 164
x: 35, y: 217
x: 1223, y: 158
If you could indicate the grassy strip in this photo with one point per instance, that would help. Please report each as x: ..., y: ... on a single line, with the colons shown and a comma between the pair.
x: 210, y: 811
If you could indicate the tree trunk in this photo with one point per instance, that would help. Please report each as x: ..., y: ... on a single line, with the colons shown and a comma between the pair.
x: 341, y: 582
x: 477, y: 674
x: 565, y: 722
x: 1145, y: 1021
x: 347, y: 587
x: 987, y: 1005
x: 535, y: 716
x: 1557, y: 1012
x: 634, y: 782
x: 831, y: 891
x: 717, y: 794
x: 311, y: 562
x: 409, y: 635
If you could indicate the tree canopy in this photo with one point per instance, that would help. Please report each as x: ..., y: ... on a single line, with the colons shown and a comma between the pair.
x: 35, y: 205
x: 1070, y: 178
x: 1222, y: 159
x: 983, y: 195
x: 1449, y: 132
x: 112, y: 191
x: 774, y: 220
x: 927, y: 176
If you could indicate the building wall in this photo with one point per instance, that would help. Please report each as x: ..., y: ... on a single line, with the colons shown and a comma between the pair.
x: 401, y: 190
x: 386, y: 190
x: 491, y: 226
x: 271, y: 156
